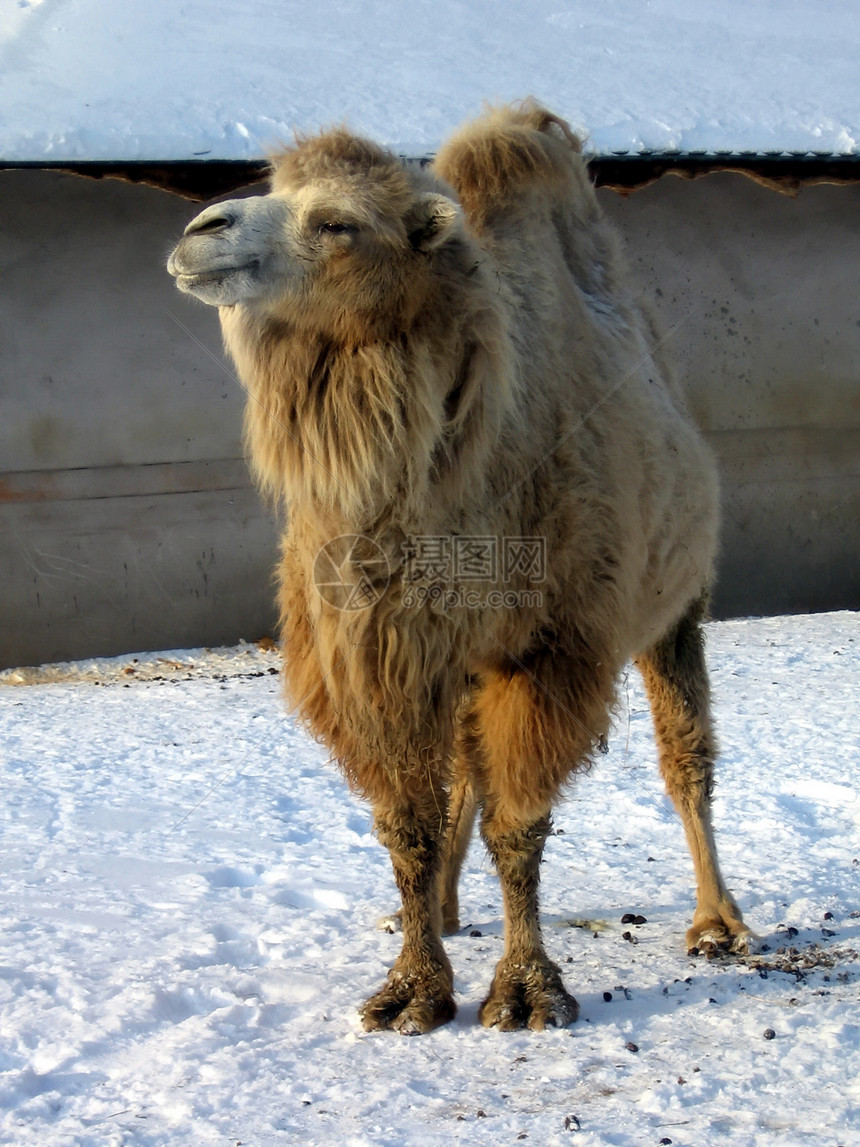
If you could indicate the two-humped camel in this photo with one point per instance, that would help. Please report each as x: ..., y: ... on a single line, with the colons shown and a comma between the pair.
x: 453, y: 357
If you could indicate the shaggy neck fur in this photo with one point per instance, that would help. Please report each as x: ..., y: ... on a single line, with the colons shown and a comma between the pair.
x: 362, y: 421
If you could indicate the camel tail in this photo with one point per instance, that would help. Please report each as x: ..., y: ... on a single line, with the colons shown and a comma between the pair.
x: 509, y: 151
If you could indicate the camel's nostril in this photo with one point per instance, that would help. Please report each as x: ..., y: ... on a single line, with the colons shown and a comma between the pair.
x: 210, y: 224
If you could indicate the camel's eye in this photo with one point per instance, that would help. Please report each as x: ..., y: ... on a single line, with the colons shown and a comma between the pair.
x: 333, y: 227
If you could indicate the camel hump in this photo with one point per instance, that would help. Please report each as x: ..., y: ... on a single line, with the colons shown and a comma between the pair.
x: 508, y: 150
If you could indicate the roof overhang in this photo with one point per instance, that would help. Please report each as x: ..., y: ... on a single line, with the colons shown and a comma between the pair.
x: 202, y: 180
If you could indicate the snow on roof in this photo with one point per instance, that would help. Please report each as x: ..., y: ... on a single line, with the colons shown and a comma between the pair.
x: 123, y: 80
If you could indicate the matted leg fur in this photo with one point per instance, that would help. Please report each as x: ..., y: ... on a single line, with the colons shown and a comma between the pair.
x: 418, y: 994
x: 676, y: 679
x: 462, y: 806
x: 527, y: 989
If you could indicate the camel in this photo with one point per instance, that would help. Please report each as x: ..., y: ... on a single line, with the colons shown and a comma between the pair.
x: 447, y: 370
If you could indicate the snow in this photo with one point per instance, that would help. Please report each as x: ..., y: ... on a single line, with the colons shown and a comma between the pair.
x: 189, y: 897
x: 124, y: 80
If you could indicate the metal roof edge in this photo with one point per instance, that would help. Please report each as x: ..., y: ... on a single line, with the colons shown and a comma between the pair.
x: 786, y: 172
x: 625, y: 172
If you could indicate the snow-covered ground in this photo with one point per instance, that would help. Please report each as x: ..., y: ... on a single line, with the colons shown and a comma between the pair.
x: 217, y: 79
x: 189, y: 896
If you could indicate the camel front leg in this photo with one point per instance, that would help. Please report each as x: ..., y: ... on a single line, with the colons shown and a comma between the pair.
x: 462, y: 805
x: 527, y: 989
x: 418, y: 994
x: 533, y: 721
x: 676, y: 680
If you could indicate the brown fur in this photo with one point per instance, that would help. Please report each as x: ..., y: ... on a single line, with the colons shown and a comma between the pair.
x: 453, y: 354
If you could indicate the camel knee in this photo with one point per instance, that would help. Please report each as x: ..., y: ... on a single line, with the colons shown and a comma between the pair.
x: 688, y: 777
x: 515, y: 849
x: 414, y: 845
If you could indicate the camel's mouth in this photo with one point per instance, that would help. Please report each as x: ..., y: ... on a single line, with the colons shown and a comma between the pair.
x: 181, y: 267
x: 188, y: 280
x: 215, y: 285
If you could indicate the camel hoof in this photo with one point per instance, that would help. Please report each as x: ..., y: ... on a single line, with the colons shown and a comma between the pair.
x: 721, y: 940
x: 408, y: 1008
x: 392, y: 922
x: 528, y: 996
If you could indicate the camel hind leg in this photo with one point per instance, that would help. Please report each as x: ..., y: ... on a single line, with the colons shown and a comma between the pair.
x: 462, y: 806
x: 676, y: 680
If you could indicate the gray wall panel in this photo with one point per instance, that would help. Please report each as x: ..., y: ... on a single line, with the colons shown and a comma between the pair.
x: 127, y: 520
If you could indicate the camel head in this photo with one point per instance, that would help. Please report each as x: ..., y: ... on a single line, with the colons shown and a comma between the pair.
x: 345, y: 233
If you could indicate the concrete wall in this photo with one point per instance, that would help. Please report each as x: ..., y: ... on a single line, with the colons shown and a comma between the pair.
x: 767, y: 291
x: 126, y: 517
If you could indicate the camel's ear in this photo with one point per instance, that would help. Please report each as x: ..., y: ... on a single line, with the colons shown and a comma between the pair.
x: 432, y: 220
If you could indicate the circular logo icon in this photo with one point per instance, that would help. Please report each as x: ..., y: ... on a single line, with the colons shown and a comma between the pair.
x: 351, y: 572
